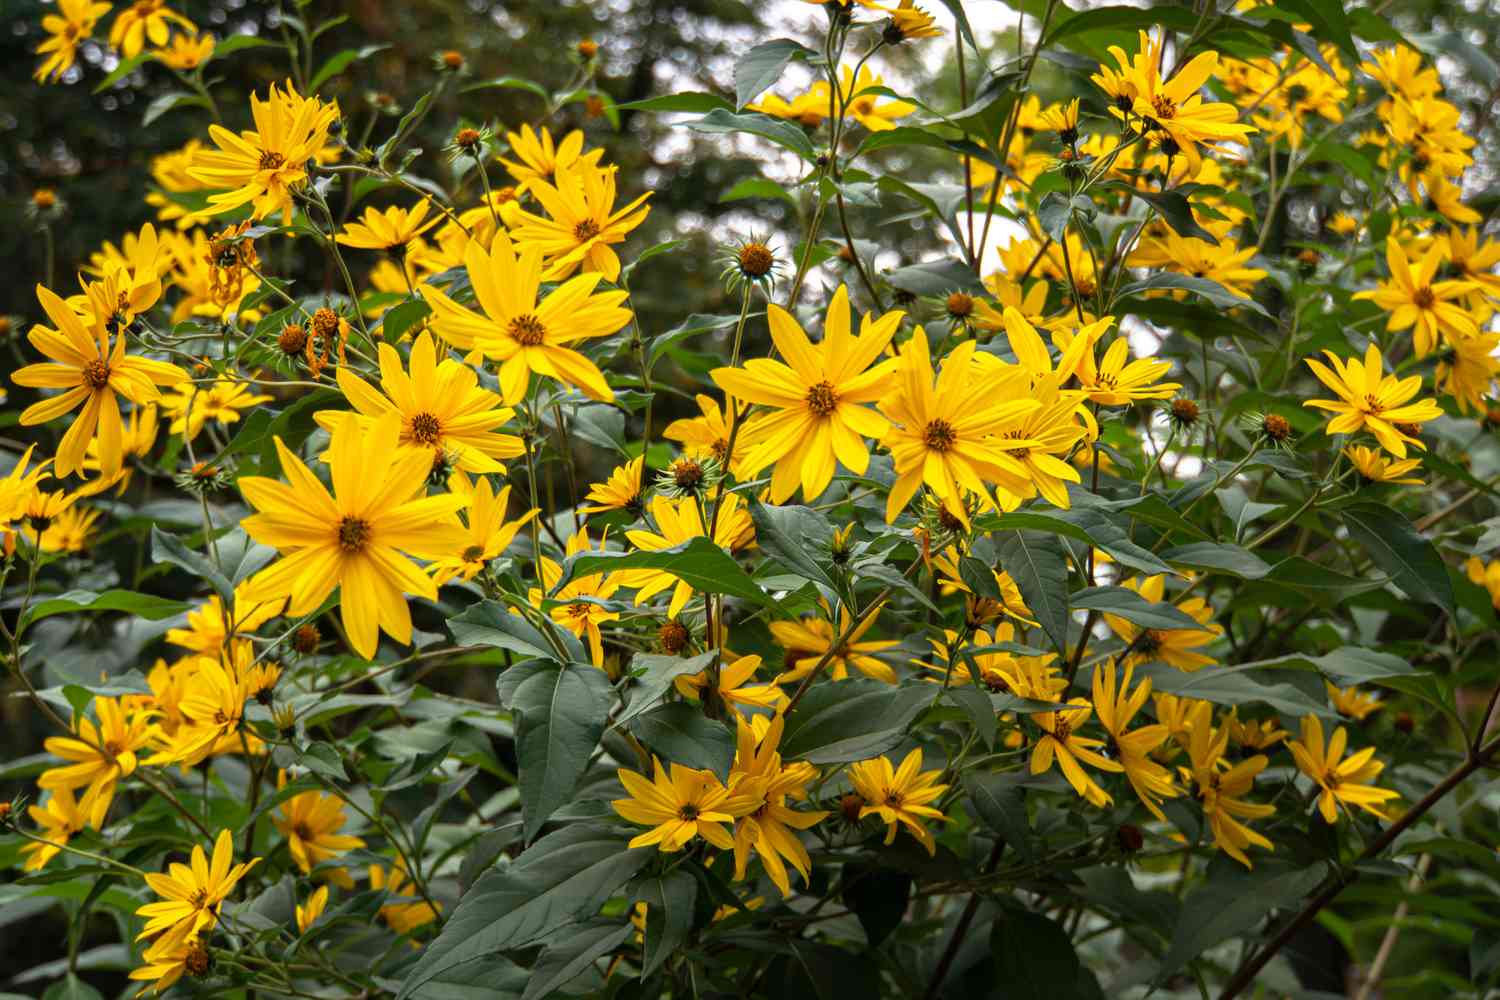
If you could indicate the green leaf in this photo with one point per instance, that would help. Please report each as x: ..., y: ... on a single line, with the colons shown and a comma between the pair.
x: 700, y: 563
x: 1038, y: 565
x: 573, y: 953
x: 694, y: 325
x: 1000, y: 804
x: 167, y: 548
x: 851, y: 720
x: 72, y: 988
x: 1411, y: 560
x: 1172, y: 206
x: 401, y: 318
x: 126, y: 67
x: 560, y: 715
x: 669, y: 903
x: 937, y: 278
x: 878, y: 896
x: 1121, y: 19
x: 234, y: 43
x: 565, y: 875
x: 1232, y: 902
x: 510, y: 83
x: 655, y: 676
x: 1219, y: 557
x: 166, y: 102
x: 1033, y: 956
x: 322, y: 758
x: 492, y: 977
x: 690, y: 101
x: 683, y: 734
x: 784, y: 134
x: 757, y: 187
x: 1056, y: 212
x: 143, y: 605
x: 763, y: 65
x: 340, y: 61
x: 974, y: 702
x: 1328, y: 20
x: 1214, y: 292
x: 791, y: 535
x: 490, y: 623
x: 1241, y: 685
x: 1130, y: 605
x: 1347, y: 665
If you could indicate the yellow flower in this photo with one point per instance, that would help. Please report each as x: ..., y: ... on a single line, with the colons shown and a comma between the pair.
x: 192, y: 895
x: 403, y: 918
x: 947, y: 436
x: 190, y: 406
x: 354, y: 539
x: 582, y: 222
x: 138, y: 439
x: 310, y: 822
x: 168, y: 959
x: 678, y: 521
x: 70, y: 531
x: 707, y: 436
x: 1224, y: 263
x: 581, y: 617
x: 1414, y: 299
x: 59, y: 818
x: 807, y: 640
x: 1175, y: 109
x: 1342, y: 781
x: 1060, y: 741
x: 817, y: 398
x: 390, y: 230
x: 1370, y: 400
x: 1487, y: 577
x: 444, y: 413
x: 141, y: 20
x: 679, y: 806
x: 211, y: 626
x: 1475, y: 258
x: 1011, y: 603
x: 169, y: 172
x: 909, y: 21
x: 733, y: 687
x: 92, y: 373
x: 1000, y: 671
x: 769, y: 829
x: 537, y: 158
x: 1356, y: 704
x: 261, y: 168
x: 100, y: 755
x: 1343, y: 224
x: 1222, y: 788
x: 872, y: 112
x: 489, y: 533
x: 1402, y: 71
x: 185, y: 53
x: 621, y: 491
x: 899, y: 796
x: 18, y: 487
x: 1118, y: 382
x: 1253, y: 735
x: 1116, y: 705
x: 523, y: 335
x: 1173, y: 646
x: 1466, y: 369
x: 1376, y: 468
x: 212, y: 706
x: 66, y: 29
x: 307, y: 914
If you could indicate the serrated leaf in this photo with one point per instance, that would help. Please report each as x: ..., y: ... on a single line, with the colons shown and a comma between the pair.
x: 851, y: 720
x: 762, y: 66
x: 572, y: 953
x: 1393, y: 543
x: 1038, y: 565
x: 655, y: 677
x: 681, y: 733
x: 791, y: 535
x: 560, y: 715
x: 1130, y: 605
x: 490, y: 623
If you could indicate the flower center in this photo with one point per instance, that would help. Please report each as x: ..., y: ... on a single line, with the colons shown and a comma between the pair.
x: 1151, y: 641
x: 894, y: 799
x: 580, y: 611
x: 1163, y: 107
x: 822, y: 399
x: 1423, y: 298
x: 354, y: 533
x: 271, y: 160
x: 960, y: 305
x: 527, y: 330
x: 301, y: 832
x: 473, y: 554
x: 1061, y: 730
x: 688, y: 812
x: 198, y: 898
x: 426, y: 429
x: 939, y: 435
x: 756, y: 259
x: 96, y: 374
x: 586, y: 230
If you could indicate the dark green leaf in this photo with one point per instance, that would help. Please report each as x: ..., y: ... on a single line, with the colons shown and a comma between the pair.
x: 784, y: 134
x: 1214, y: 292
x: 492, y: 977
x: 560, y: 714
x: 1396, y: 547
x: 490, y: 623
x: 700, y: 563
x: 851, y: 720
x: 510, y: 83
x: 167, y: 548
x: 1172, y: 206
x: 936, y: 277
x: 878, y: 896
x: 682, y: 733
x: 691, y: 101
x: 1033, y: 956
x: 143, y: 605
x: 1039, y: 566
x: 572, y: 953
x: 762, y: 66
x: 401, y: 318
x: 669, y: 903
x: 166, y: 102
x: 340, y: 61
x: 791, y: 535
x: 1219, y: 557
x: 234, y: 43
x: 757, y: 187
x: 1000, y: 803
x: 1130, y: 605
x: 120, y: 72
x: 567, y: 874
x: 72, y: 988
x: 1232, y: 902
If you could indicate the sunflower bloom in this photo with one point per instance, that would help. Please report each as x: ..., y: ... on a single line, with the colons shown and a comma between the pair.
x: 1116, y: 704
x: 444, y: 412
x: 1060, y: 741
x: 1342, y: 781
x: 707, y: 436
x: 489, y: 533
x: 770, y: 829
x: 621, y: 491
x: 60, y: 818
x: 192, y: 894
x: 308, y: 913
x: 92, y: 373
x: 523, y: 335
x: 946, y: 436
x: 817, y: 397
x: 1370, y: 400
x: 581, y: 617
x: 142, y: 20
x: 808, y: 640
x: 66, y: 30
x: 582, y: 224
x: 900, y: 795
x: 678, y: 806
x: 1176, y: 646
x: 191, y: 406
x: 1352, y: 703
x: 99, y: 755
x: 734, y: 687
x: 354, y: 538
x: 403, y: 918
x: 1176, y: 111
x: 211, y: 625
x: 1222, y: 788
x: 212, y: 707
x: 261, y: 168
x: 538, y: 158
x: 310, y: 822
x: 168, y: 959
x: 1414, y: 300
x: 390, y: 229
x: 1374, y: 467
x: 679, y: 521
